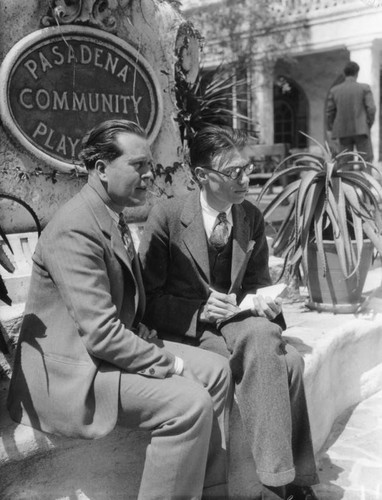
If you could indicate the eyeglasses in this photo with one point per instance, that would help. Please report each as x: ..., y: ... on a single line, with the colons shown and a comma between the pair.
x: 233, y: 172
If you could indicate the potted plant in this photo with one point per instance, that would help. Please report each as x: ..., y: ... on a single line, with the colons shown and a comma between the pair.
x: 332, y: 224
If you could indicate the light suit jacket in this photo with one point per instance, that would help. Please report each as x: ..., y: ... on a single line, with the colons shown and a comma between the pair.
x: 176, y: 271
x: 350, y: 109
x: 85, y: 296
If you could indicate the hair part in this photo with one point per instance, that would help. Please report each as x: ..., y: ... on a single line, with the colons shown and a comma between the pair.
x: 351, y: 69
x: 215, y: 143
x: 100, y: 143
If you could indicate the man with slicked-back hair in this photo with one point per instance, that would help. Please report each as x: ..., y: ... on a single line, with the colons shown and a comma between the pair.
x: 86, y: 362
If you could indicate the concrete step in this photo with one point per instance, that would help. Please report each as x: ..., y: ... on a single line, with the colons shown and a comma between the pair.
x: 350, y: 463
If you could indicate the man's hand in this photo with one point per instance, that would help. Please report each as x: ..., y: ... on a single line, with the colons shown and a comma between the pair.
x: 219, y: 306
x: 266, y: 307
x: 144, y: 333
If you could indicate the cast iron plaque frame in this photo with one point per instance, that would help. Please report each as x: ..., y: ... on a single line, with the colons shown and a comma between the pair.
x: 57, y: 83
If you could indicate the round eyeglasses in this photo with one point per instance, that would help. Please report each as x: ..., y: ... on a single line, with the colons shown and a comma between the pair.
x: 233, y: 172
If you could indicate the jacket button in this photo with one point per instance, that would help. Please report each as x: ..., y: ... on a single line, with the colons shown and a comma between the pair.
x: 151, y: 371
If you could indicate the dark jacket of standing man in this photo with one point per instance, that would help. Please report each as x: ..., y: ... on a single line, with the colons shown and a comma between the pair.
x: 85, y: 361
x: 351, y: 113
x: 200, y: 255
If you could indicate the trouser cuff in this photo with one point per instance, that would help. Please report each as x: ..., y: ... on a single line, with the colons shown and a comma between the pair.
x: 306, y: 480
x: 278, y: 478
x: 219, y: 491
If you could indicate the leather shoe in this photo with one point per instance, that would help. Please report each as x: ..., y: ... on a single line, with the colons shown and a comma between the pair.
x: 295, y: 492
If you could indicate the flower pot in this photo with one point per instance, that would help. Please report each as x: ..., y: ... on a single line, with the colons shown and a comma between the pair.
x: 335, y: 293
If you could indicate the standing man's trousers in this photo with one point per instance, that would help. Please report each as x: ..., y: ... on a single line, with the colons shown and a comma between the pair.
x: 362, y: 144
x: 268, y: 377
x: 186, y: 418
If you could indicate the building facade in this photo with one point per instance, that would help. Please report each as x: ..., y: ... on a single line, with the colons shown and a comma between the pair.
x: 296, y: 52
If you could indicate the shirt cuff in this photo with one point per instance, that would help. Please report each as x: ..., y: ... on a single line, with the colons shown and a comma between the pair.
x: 178, y: 365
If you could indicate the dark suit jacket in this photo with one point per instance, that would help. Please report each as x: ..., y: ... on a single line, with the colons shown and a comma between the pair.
x: 85, y: 296
x: 350, y: 109
x: 176, y: 271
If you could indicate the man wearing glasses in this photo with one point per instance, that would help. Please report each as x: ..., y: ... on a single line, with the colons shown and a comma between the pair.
x: 201, y: 254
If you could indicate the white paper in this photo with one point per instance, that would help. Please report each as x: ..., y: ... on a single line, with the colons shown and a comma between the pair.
x: 272, y: 291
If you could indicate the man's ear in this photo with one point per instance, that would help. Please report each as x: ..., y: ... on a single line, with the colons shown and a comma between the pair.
x: 100, y: 168
x: 201, y: 175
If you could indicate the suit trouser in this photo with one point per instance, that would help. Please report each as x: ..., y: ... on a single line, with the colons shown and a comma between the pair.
x: 362, y: 144
x: 268, y: 376
x: 187, y: 421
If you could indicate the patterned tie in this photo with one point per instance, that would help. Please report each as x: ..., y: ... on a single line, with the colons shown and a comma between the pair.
x: 126, y: 236
x: 220, y: 233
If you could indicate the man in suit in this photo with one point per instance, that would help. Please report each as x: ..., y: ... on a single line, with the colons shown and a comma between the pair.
x: 351, y: 112
x: 200, y: 256
x: 85, y: 361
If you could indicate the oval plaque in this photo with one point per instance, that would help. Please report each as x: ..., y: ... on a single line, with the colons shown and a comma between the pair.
x: 57, y: 83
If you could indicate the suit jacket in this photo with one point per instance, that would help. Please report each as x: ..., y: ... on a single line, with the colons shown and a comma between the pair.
x: 76, y: 338
x: 175, y: 263
x: 350, y: 109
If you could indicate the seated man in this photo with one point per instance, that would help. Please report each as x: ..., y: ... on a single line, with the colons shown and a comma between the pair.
x: 85, y: 361
x: 200, y: 256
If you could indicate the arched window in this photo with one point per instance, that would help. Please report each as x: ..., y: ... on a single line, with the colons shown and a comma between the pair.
x: 290, y: 113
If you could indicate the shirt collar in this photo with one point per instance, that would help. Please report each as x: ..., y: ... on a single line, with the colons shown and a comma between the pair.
x: 210, y: 214
x: 208, y: 210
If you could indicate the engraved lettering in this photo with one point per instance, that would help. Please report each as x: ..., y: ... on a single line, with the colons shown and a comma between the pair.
x: 60, y: 102
x: 135, y: 103
x: 123, y: 73
x: 86, y: 54
x: 61, y: 148
x: 71, y: 54
x: 22, y: 98
x: 47, y: 142
x: 73, y: 145
x: 31, y: 66
x: 110, y: 63
x: 107, y: 100
x: 42, y: 99
x: 40, y: 130
x: 79, y: 103
x: 60, y: 58
x: 44, y: 62
x: 124, y: 99
x: 98, y: 53
x: 94, y: 108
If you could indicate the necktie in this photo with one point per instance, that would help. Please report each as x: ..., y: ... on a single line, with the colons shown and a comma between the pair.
x: 220, y: 233
x: 126, y: 236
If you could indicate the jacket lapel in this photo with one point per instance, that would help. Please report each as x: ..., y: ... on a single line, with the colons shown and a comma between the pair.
x: 98, y: 207
x: 194, y: 235
x: 241, y: 245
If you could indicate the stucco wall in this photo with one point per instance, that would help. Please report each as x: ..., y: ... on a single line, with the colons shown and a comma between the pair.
x: 150, y: 27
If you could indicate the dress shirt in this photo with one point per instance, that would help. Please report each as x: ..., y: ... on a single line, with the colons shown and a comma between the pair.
x: 210, y: 215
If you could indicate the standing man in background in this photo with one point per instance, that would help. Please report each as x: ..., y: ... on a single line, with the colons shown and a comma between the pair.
x: 84, y: 360
x: 351, y: 112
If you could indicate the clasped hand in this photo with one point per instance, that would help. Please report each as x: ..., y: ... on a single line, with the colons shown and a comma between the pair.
x: 145, y: 333
x: 218, y: 307
x: 221, y: 306
x: 266, y: 307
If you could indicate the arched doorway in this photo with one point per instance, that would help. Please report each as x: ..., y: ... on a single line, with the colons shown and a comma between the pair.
x: 290, y: 113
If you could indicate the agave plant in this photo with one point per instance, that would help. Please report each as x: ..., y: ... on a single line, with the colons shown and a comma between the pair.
x: 335, y: 197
